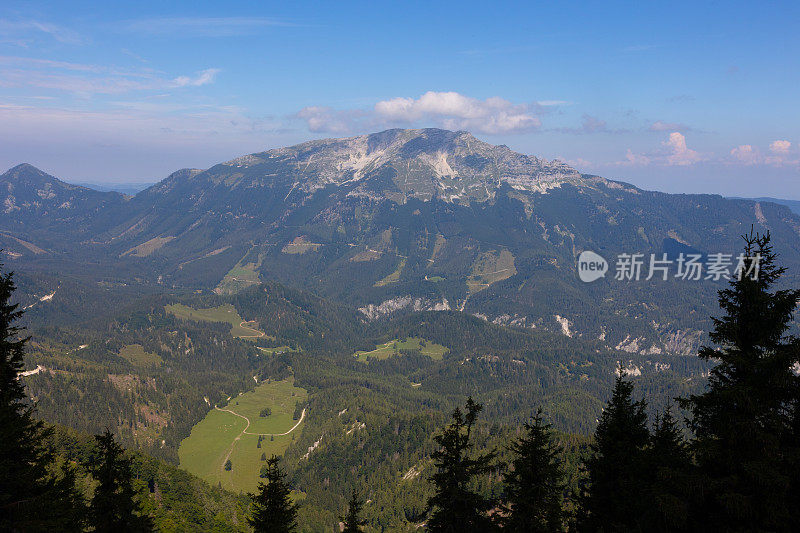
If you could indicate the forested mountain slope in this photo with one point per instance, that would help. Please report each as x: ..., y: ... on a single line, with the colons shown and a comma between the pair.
x: 398, y: 220
x: 151, y: 375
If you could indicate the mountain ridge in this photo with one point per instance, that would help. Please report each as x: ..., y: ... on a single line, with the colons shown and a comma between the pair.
x: 405, y: 220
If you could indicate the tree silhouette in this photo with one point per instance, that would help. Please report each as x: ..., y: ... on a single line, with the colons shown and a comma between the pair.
x: 455, y: 505
x: 669, y: 467
x: 114, y: 507
x: 535, y: 486
x: 352, y: 520
x: 747, y: 443
x: 614, y: 499
x: 35, y: 495
x: 273, y: 510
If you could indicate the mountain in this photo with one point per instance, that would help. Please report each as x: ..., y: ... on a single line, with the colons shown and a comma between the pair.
x: 794, y: 205
x: 45, y: 207
x: 400, y: 221
x: 385, y: 277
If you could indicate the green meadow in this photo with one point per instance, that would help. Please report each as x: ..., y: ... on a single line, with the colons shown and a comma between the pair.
x: 393, y: 347
x: 223, y: 313
x: 135, y: 355
x: 221, y: 435
x: 394, y: 277
x: 276, y: 350
x: 241, y: 276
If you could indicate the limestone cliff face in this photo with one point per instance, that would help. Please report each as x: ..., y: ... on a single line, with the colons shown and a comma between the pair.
x: 401, y: 164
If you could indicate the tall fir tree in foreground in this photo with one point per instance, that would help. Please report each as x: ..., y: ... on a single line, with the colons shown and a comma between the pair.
x: 35, y: 495
x: 614, y: 499
x: 535, y: 487
x: 352, y: 520
x: 273, y: 509
x: 669, y: 467
x: 456, y: 506
x: 746, y: 444
x: 114, y: 507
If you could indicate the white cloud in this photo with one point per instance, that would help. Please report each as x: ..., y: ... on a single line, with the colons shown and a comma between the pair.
x: 449, y: 110
x: 746, y: 154
x: 681, y: 155
x: 780, y: 147
x: 203, y: 77
x: 780, y: 155
x: 675, y: 152
x: 455, y: 111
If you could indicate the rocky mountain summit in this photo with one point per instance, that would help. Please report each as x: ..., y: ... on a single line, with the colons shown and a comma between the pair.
x: 401, y: 164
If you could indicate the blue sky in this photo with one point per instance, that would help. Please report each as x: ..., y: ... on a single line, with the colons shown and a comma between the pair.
x: 678, y: 97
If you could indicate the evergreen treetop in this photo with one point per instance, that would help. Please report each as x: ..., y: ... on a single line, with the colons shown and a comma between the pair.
x: 273, y: 509
x: 669, y: 469
x: 456, y: 506
x: 114, y: 507
x: 746, y: 446
x: 35, y: 493
x: 352, y: 520
x: 535, y: 486
x: 616, y: 471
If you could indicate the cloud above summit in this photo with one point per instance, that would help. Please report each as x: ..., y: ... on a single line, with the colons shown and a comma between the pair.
x: 455, y: 111
x: 449, y: 110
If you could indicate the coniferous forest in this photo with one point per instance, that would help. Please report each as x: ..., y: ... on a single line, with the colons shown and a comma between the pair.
x: 722, y: 456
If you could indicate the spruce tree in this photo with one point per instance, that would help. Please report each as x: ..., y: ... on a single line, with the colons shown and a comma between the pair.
x: 273, y: 510
x: 614, y: 499
x: 114, y: 507
x: 35, y: 493
x: 352, y: 520
x: 745, y: 445
x: 669, y: 467
x: 456, y: 506
x: 535, y: 486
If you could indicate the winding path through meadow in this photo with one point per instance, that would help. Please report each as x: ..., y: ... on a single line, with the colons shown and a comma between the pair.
x: 245, y: 432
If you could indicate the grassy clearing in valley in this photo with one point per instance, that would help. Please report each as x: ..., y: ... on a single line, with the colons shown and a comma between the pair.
x: 388, y: 349
x: 278, y: 350
x: 241, y: 276
x: 394, y: 277
x: 300, y: 245
x: 489, y: 268
x: 223, y: 313
x: 220, y: 436
x: 135, y: 355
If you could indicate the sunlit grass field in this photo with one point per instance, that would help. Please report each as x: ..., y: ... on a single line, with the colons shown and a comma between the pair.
x: 223, y: 313
x: 393, y: 347
x: 135, y: 354
x: 219, y: 436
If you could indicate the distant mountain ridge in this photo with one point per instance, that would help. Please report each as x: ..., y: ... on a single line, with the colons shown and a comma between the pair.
x: 394, y: 222
x: 131, y: 189
x: 794, y: 205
